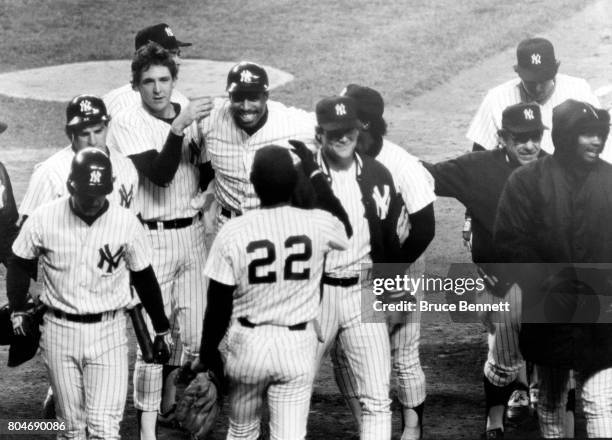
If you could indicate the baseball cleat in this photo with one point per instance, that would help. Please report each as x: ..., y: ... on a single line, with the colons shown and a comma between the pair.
x: 518, y: 406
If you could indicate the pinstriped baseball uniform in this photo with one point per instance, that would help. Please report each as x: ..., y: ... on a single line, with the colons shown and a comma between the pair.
x: 275, y: 258
x: 179, y: 253
x: 231, y: 150
x: 85, y: 270
x: 366, y: 345
x: 416, y: 187
x: 486, y: 122
x: 48, y: 181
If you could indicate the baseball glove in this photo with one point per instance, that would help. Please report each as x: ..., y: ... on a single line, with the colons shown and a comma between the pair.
x: 199, y: 405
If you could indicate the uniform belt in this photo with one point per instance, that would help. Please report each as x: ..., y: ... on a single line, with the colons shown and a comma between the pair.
x: 88, y: 318
x: 170, y: 224
x: 246, y: 323
x: 340, y: 282
x: 229, y: 213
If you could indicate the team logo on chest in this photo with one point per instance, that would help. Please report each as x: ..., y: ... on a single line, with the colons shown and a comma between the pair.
x: 108, y: 259
x: 382, y: 201
x: 126, y: 196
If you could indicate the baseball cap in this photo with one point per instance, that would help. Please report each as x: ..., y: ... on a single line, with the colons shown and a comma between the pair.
x: 536, y: 60
x: 160, y: 34
x: 84, y: 109
x: 370, y: 104
x: 273, y: 172
x: 522, y: 118
x: 337, y: 112
x: 247, y: 77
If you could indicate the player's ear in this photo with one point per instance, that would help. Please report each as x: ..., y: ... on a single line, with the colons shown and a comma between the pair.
x: 69, y: 186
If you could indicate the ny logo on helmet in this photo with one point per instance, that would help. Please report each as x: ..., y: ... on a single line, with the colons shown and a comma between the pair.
x: 168, y: 32
x: 107, y: 257
x: 536, y: 58
x: 340, y: 110
x: 382, y: 200
x: 87, y: 108
x: 528, y: 113
x: 246, y: 76
x: 95, y: 176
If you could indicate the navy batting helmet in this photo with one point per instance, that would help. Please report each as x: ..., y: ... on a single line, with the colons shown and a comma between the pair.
x: 85, y: 110
x: 247, y: 77
x: 91, y: 173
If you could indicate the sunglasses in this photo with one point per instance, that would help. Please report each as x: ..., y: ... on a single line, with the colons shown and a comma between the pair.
x: 523, y: 138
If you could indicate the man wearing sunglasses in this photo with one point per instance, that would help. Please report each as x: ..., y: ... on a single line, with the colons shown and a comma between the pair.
x: 237, y: 127
x: 476, y: 180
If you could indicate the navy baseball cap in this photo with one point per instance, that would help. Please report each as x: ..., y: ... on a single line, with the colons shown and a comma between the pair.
x: 522, y: 118
x: 536, y: 60
x: 336, y: 113
x: 160, y: 34
x: 247, y: 77
x: 370, y: 104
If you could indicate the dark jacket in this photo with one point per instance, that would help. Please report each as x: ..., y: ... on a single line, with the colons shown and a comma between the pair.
x: 550, y: 213
x: 375, y: 179
x: 8, y: 216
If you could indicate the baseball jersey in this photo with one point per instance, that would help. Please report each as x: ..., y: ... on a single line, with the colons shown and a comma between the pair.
x: 48, y: 181
x: 85, y: 269
x: 486, y: 122
x: 413, y: 182
x: 125, y: 96
x: 231, y: 150
x: 135, y: 131
x: 274, y: 256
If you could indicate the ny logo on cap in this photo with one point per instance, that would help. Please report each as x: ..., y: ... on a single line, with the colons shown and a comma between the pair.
x: 168, y: 32
x: 536, y: 58
x: 94, y: 177
x: 247, y: 77
x: 528, y: 113
x: 340, y: 110
x: 86, y: 107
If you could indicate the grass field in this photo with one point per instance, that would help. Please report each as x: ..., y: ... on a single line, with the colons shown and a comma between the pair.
x: 404, y: 48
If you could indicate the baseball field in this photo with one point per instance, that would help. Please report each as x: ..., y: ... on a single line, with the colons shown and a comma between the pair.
x: 432, y: 61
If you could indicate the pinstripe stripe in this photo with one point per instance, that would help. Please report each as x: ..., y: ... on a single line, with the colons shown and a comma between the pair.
x: 486, y: 122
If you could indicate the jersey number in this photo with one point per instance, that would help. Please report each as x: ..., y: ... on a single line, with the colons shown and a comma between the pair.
x: 288, y: 273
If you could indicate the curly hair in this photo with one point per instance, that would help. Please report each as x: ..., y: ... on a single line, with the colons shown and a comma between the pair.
x: 151, y: 54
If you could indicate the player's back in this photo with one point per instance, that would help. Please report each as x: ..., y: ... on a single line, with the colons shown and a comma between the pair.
x: 277, y: 257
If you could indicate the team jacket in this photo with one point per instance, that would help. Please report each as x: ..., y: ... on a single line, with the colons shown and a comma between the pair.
x: 372, y: 177
x: 549, y: 213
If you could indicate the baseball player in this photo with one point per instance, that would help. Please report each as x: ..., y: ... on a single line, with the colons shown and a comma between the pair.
x: 265, y: 268
x: 558, y: 210
x: 415, y: 186
x: 89, y: 249
x: 162, y: 140
x: 8, y: 212
x: 367, y: 192
x: 125, y: 96
x: 240, y: 125
x: 476, y: 179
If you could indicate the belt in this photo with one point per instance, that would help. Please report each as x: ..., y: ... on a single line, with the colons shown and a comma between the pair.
x: 246, y: 323
x: 229, y: 213
x: 170, y: 224
x: 88, y: 318
x: 340, y: 282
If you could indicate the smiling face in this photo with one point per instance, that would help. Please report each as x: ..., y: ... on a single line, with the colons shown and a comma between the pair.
x: 248, y: 107
x: 589, y: 146
x: 338, y: 146
x: 155, y: 88
x: 523, y: 147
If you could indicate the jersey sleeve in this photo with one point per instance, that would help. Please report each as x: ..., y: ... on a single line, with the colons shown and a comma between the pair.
x: 127, y: 136
x: 41, y: 190
x: 29, y: 241
x: 415, y: 186
x: 139, y: 253
x: 219, y: 263
x: 333, y: 232
x: 484, y: 126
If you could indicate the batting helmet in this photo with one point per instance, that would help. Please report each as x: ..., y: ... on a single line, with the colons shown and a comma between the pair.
x: 85, y: 109
x: 247, y: 77
x: 91, y: 173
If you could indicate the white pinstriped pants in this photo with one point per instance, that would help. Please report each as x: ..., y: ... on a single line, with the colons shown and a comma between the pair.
x: 88, y: 368
x: 504, y: 359
x: 596, y: 397
x: 366, y: 346
x: 275, y: 362
x: 406, y: 363
x: 178, y: 262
